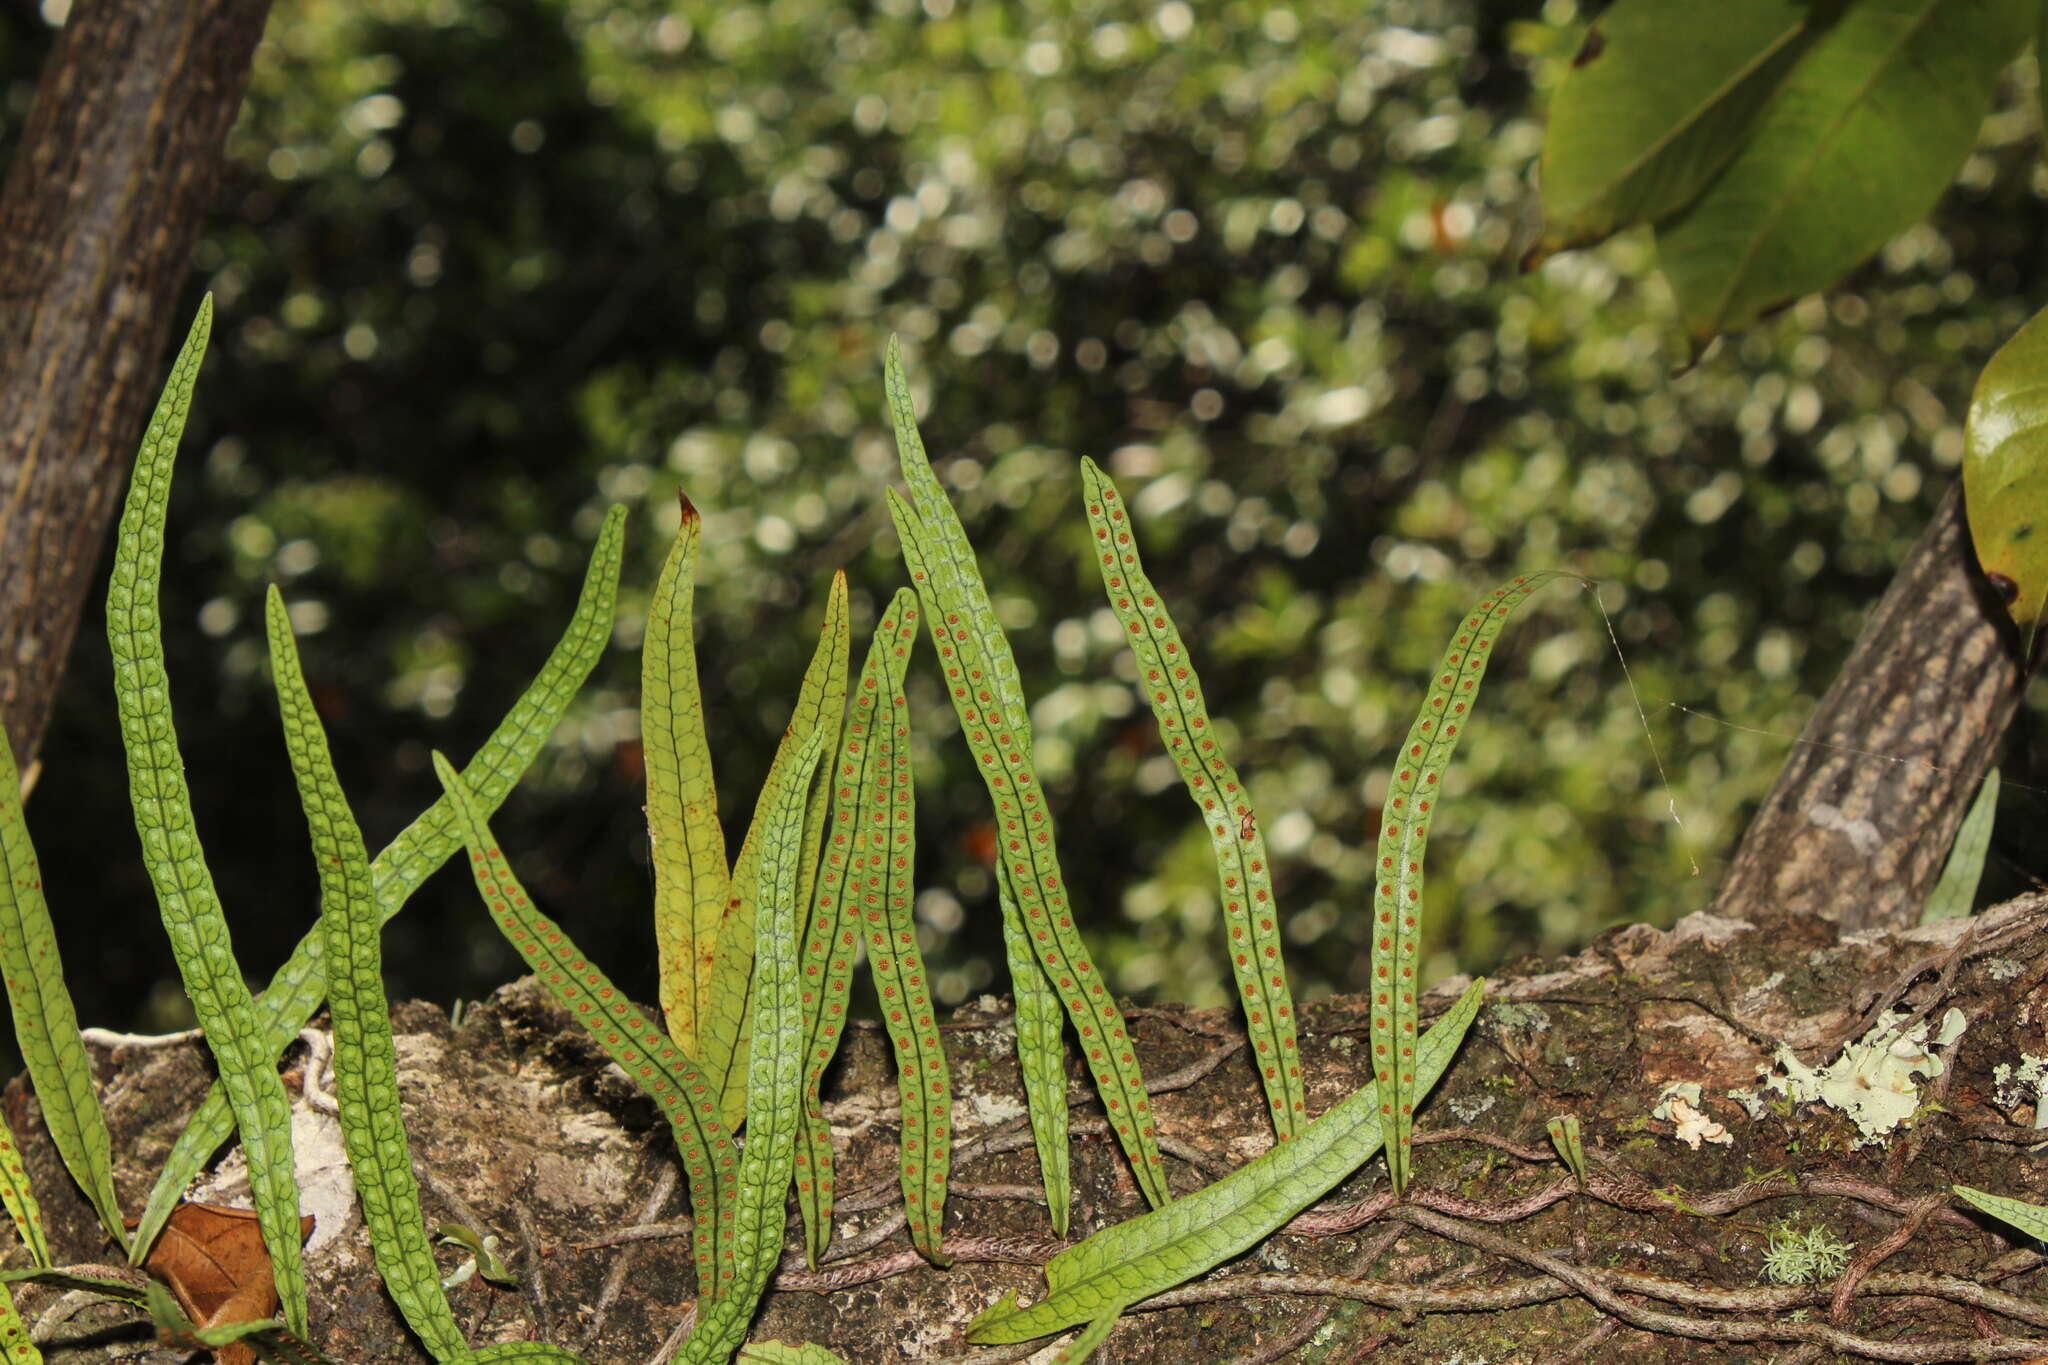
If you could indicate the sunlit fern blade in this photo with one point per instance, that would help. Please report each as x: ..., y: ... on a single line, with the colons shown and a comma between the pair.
x: 20, y: 1198
x: 365, y: 1057
x: 1166, y: 676
x: 1397, y: 907
x: 1041, y: 1057
x: 999, y: 738
x: 171, y: 854
x: 857, y: 789
x: 774, y: 1071
x: 1146, y: 1255
x: 820, y: 708
x: 650, y: 1059
x: 46, y: 1027
x: 687, y: 842
x: 299, y: 985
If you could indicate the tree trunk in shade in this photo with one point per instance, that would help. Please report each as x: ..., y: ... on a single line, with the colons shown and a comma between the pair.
x: 114, y: 174
x: 1860, y: 821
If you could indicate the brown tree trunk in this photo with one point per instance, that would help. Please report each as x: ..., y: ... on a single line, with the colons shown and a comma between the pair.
x: 113, y: 176
x: 1862, y: 816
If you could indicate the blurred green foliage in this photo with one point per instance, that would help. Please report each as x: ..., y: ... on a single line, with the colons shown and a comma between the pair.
x: 483, y: 266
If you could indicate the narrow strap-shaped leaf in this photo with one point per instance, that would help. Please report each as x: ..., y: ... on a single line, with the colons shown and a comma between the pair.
x: 951, y: 556
x: 107, y: 1281
x: 271, y: 1339
x: 774, y: 1072
x: 881, y: 889
x: 644, y: 1052
x: 298, y: 987
x: 786, y: 1353
x: 15, y: 1191
x: 1086, y: 1340
x: 687, y: 841
x: 45, y: 1024
x: 1564, y: 1135
x: 1152, y: 1253
x: 1404, y: 830
x: 1956, y: 892
x: 14, y: 1337
x: 1041, y: 1057
x: 365, y: 1058
x: 2031, y: 1219
x: 820, y: 709
x: 999, y: 738
x: 190, y: 908
x: 1167, y: 676
x: 862, y: 789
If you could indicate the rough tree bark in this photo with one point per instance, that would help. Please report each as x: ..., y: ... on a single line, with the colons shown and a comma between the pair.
x: 524, y: 1132
x: 108, y: 187
x: 1862, y: 816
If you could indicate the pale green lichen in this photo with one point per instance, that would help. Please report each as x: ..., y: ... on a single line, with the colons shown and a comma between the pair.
x: 2013, y: 1086
x: 1680, y: 1104
x: 1508, y: 1014
x: 1875, y: 1081
x: 1795, y: 1257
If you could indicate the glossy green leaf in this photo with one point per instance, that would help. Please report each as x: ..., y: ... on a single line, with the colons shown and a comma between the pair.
x: 2005, y: 471
x: 1564, y: 1135
x: 1154, y: 1252
x: 786, y: 1353
x: 1657, y: 101
x: 864, y: 887
x: 2031, y: 1219
x: 365, y: 1058
x: 820, y: 710
x: 14, y: 1339
x: 1038, y: 1018
x: 687, y: 842
x: 524, y: 1353
x: 1166, y: 675
x: 20, y: 1198
x: 1866, y: 130
x: 774, y: 1071
x: 644, y: 1052
x: 408, y: 860
x: 190, y: 908
x: 998, y: 731
x: 1397, y: 907
x: 46, y: 1025
x: 1956, y: 893
x: 272, y: 1340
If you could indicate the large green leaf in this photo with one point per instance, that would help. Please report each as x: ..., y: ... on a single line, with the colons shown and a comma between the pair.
x: 1657, y: 101
x: 1154, y: 1252
x: 1864, y: 133
x: 2005, y: 470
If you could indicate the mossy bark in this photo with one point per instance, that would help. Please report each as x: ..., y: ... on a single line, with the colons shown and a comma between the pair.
x: 521, y: 1126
